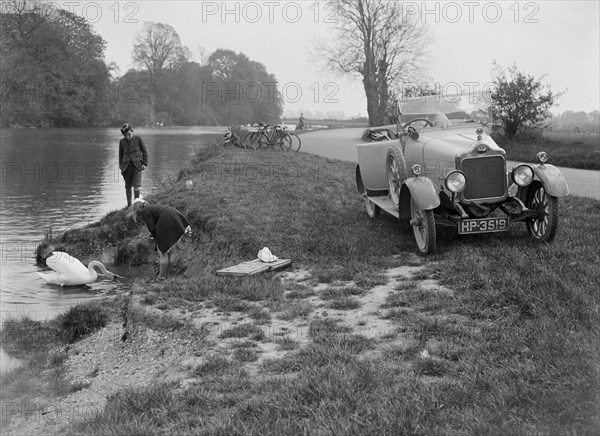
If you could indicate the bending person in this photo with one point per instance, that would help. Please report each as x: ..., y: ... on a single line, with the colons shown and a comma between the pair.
x: 166, y: 225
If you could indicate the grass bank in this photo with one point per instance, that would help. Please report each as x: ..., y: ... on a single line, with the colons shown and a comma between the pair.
x: 495, y: 334
x: 567, y: 149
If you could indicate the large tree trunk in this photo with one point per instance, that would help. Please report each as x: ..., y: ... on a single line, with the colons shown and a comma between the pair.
x: 383, y: 89
x: 377, y: 92
x: 372, y: 95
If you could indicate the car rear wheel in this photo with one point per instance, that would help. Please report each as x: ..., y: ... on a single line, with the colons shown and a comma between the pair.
x: 542, y: 227
x: 396, y: 172
x: 423, y: 224
x: 372, y: 209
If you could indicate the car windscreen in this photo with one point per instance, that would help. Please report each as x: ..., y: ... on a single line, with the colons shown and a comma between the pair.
x: 457, y: 108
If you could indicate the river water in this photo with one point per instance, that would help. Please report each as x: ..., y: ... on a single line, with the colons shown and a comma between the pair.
x: 63, y: 178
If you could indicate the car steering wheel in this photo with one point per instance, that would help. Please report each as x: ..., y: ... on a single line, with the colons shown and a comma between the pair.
x: 416, y: 120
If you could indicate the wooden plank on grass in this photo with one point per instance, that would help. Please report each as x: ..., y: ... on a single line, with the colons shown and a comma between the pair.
x: 254, y: 267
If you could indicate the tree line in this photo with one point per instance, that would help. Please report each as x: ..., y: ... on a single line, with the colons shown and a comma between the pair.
x: 54, y: 74
x: 578, y: 121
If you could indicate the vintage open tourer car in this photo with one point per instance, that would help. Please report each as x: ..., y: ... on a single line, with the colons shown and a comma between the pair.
x: 439, y: 167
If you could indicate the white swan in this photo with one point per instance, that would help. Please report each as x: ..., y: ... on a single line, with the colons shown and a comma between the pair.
x: 69, y: 271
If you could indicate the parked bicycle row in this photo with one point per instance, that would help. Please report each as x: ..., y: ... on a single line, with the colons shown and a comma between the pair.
x: 262, y: 135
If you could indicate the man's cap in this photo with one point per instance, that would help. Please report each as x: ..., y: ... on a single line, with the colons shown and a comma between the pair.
x: 126, y: 128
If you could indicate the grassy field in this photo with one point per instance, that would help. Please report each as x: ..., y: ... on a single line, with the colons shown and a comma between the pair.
x: 495, y: 334
x: 568, y: 149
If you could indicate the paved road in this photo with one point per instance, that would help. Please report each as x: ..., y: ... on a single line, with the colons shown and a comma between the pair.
x: 341, y: 144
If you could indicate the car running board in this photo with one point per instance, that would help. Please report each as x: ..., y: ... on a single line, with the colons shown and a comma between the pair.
x: 385, y: 203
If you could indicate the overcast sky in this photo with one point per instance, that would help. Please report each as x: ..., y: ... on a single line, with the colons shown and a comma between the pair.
x: 559, y: 39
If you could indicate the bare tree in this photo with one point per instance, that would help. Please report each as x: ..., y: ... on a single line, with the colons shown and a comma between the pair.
x: 380, y: 43
x: 157, y: 46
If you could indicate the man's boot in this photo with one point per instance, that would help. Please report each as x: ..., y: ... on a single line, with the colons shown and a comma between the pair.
x: 163, y: 270
x: 128, y: 195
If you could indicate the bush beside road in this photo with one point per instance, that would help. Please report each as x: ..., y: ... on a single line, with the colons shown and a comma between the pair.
x: 571, y: 150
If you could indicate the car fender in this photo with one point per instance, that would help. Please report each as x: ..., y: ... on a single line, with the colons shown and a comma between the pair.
x: 359, y: 183
x: 422, y: 190
x: 552, y: 178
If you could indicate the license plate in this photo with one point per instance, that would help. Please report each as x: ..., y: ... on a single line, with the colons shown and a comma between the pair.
x: 484, y: 225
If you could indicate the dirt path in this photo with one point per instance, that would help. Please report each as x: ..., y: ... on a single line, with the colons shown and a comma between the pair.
x: 102, y: 364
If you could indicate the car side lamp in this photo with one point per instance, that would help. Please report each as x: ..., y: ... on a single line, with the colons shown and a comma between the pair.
x: 417, y: 170
x: 542, y: 157
x: 412, y: 133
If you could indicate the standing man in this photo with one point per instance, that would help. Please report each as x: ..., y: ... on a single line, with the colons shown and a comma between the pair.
x: 301, y: 122
x: 133, y: 158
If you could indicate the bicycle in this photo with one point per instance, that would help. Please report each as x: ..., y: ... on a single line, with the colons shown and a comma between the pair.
x: 296, y: 142
x: 270, y: 136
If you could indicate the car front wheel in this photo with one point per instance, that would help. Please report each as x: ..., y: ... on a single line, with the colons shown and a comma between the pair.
x: 544, y: 225
x: 423, y: 225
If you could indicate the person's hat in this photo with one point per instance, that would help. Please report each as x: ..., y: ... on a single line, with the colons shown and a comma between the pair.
x: 126, y: 128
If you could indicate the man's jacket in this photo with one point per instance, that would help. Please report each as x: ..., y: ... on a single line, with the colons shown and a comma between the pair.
x: 132, y: 151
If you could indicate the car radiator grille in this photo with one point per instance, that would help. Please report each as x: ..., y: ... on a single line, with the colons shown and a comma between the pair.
x: 486, y: 177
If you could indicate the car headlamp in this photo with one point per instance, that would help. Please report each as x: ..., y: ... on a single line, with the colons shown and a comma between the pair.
x: 522, y: 175
x: 416, y: 169
x: 542, y: 157
x: 456, y: 181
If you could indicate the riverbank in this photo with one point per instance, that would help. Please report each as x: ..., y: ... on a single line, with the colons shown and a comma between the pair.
x: 566, y: 149
x: 494, y: 334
